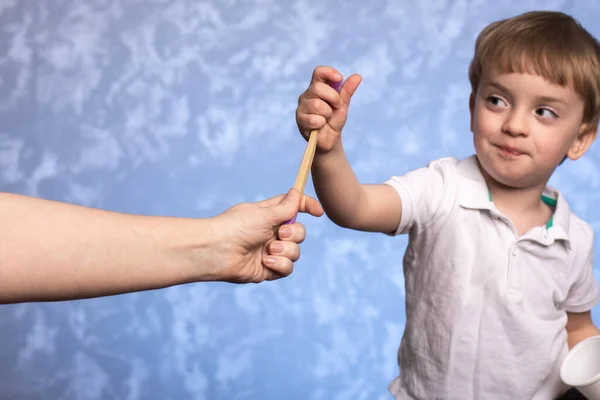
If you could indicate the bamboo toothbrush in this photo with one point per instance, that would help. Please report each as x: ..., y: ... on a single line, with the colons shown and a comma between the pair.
x: 307, y: 159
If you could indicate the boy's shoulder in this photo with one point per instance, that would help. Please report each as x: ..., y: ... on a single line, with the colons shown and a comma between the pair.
x: 581, y: 226
x: 444, y: 161
x: 465, y: 169
x: 577, y: 230
x: 469, y: 162
x: 449, y: 165
x: 581, y: 231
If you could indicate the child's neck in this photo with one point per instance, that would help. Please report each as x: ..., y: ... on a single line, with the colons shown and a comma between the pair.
x: 520, y: 200
x: 523, y: 206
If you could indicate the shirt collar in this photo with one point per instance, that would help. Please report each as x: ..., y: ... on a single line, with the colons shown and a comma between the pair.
x: 474, y: 194
x: 562, y: 212
x: 473, y: 191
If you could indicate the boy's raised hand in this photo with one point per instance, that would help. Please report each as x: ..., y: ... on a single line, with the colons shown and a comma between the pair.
x: 320, y: 107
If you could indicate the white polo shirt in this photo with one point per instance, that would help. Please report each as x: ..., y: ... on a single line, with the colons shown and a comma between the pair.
x: 485, y: 309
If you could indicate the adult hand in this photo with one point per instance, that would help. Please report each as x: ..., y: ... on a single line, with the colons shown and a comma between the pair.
x: 89, y: 252
x: 254, y: 242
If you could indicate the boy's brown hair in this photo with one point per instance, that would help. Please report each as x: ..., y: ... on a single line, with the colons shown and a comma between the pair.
x: 550, y: 44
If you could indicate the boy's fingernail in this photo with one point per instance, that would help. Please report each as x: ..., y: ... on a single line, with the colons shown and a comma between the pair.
x: 285, y: 232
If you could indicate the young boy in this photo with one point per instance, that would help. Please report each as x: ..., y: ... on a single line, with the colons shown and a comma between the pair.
x: 498, y: 270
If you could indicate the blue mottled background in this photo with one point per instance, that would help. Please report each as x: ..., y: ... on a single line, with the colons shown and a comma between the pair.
x: 181, y: 107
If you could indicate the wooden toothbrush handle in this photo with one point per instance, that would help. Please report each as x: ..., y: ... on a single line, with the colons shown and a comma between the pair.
x: 304, y: 171
x: 307, y: 159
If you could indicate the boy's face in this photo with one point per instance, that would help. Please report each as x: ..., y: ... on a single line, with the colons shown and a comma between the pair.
x: 524, y: 126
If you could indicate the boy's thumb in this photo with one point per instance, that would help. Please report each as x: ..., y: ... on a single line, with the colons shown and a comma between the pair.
x: 349, y: 88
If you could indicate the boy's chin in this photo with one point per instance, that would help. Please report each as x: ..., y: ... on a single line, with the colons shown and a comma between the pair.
x: 517, y: 179
x: 513, y: 177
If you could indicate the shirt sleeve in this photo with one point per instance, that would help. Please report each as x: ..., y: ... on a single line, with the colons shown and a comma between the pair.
x: 583, y: 294
x: 422, y: 193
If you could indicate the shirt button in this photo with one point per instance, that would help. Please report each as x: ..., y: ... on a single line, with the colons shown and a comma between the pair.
x: 515, y: 251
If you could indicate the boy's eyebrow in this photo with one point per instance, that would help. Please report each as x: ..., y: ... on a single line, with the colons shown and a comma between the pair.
x: 542, y: 99
x: 497, y: 86
x: 548, y: 99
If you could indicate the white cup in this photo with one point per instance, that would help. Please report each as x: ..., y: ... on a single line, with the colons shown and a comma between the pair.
x: 581, y: 368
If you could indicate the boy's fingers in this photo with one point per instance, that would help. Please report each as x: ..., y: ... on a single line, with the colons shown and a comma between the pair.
x: 325, y: 74
x: 325, y: 92
x: 316, y: 105
x: 349, y: 88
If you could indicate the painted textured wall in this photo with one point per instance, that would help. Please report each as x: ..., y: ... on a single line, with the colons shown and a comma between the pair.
x: 181, y: 107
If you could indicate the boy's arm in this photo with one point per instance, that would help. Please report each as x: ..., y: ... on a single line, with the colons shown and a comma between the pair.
x: 372, y: 208
x: 580, y: 327
x: 347, y: 203
x: 583, y: 293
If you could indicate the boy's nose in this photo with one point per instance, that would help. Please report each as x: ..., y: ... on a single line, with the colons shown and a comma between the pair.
x: 516, y: 124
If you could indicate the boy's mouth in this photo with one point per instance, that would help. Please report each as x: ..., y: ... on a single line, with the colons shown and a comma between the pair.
x: 510, y: 151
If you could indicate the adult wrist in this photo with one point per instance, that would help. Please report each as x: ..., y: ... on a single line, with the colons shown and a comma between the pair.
x: 196, y: 250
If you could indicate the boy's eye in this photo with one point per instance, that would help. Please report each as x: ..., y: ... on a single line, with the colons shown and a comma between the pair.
x: 545, y: 113
x: 496, y: 101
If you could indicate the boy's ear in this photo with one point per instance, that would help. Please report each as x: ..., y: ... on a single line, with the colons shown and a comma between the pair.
x: 587, y: 135
x: 472, y: 108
